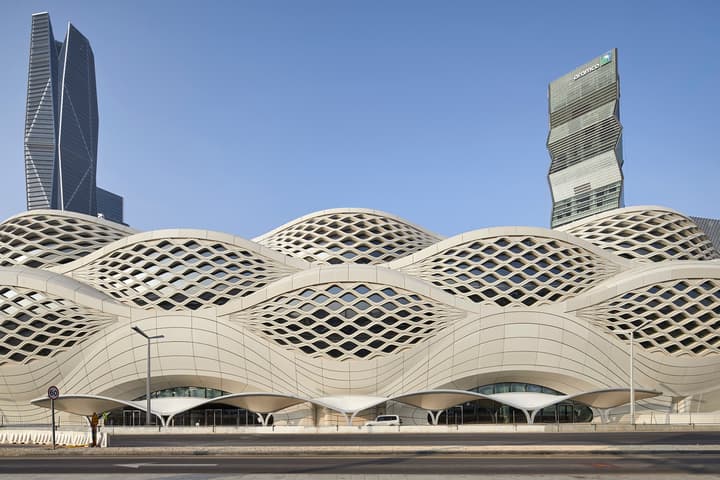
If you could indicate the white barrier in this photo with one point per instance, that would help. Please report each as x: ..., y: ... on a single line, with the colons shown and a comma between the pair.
x: 44, y: 437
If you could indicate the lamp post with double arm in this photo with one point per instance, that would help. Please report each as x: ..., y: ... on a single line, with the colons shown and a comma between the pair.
x: 147, y: 384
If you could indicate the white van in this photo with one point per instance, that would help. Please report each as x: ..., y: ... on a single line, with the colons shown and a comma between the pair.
x: 385, y: 420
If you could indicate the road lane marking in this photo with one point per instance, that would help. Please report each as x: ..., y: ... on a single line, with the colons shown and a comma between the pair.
x: 139, y: 465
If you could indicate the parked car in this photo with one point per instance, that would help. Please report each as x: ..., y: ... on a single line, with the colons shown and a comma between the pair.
x: 385, y: 421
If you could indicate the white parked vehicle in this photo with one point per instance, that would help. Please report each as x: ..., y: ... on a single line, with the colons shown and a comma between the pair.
x: 385, y: 421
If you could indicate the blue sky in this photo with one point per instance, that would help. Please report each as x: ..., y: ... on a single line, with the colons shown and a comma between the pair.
x: 239, y: 116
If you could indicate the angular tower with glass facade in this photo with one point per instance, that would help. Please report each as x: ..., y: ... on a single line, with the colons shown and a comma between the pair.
x: 61, y: 123
x: 585, y: 141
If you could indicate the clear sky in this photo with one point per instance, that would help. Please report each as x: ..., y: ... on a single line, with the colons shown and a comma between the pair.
x: 239, y: 116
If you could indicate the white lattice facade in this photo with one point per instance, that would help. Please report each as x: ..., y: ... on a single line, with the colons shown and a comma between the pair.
x: 356, y: 302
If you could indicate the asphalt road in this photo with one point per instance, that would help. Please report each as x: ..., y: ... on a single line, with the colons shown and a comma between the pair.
x: 597, y: 465
x: 414, y: 439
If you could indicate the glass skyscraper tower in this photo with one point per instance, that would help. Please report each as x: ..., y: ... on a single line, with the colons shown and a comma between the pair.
x: 585, y: 141
x: 61, y: 125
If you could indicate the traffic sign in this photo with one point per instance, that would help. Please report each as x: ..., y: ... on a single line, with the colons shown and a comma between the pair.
x: 53, y: 393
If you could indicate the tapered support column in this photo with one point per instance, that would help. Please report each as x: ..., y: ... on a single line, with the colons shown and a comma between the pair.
x: 264, y: 419
x: 435, y: 416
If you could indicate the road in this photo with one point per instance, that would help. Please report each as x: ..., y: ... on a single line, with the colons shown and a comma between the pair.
x: 680, y: 465
x: 414, y: 439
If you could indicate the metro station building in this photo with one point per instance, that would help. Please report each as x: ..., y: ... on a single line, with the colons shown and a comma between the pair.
x: 343, y: 314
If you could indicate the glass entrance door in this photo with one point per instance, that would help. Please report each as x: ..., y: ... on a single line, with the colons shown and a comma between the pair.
x: 213, y: 417
x: 131, y: 418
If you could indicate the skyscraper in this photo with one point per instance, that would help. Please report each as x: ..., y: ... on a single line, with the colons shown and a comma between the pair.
x: 109, y: 205
x: 61, y: 122
x: 585, y: 141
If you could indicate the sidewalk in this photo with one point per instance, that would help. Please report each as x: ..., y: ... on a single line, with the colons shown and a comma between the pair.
x: 503, y: 428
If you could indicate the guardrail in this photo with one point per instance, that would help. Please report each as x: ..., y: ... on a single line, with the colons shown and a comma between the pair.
x: 44, y: 437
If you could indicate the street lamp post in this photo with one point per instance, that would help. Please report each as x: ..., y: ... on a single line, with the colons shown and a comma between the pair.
x: 147, y: 385
x: 632, y: 370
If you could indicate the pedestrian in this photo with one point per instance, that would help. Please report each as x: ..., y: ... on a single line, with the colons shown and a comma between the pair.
x: 94, y: 428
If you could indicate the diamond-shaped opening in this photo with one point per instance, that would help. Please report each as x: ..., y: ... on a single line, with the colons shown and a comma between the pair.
x: 361, y: 289
x: 362, y: 321
x: 321, y: 345
x: 376, y: 328
x: 9, y: 325
x: 17, y: 357
x: 375, y: 297
x: 307, y: 349
x: 334, y: 305
x: 390, y: 348
x: 348, y: 329
x: 320, y: 314
x: 207, y: 296
x: 691, y: 325
x: 194, y: 304
x: 348, y: 313
x: 334, y: 290
x: 334, y: 337
x: 362, y: 337
x: 362, y: 353
x: 389, y: 306
x: 362, y: 305
x: 348, y: 346
x: 702, y: 333
x: 178, y: 298
x: 307, y: 322
x: 348, y: 297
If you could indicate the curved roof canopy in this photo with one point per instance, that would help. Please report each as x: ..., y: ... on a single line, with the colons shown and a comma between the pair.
x: 86, y: 405
x: 266, y: 402
x: 529, y: 401
x: 259, y: 402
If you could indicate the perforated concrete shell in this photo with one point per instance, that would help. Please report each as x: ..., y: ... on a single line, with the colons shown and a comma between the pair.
x: 651, y: 234
x: 510, y: 266
x: 567, y: 304
x: 45, y: 238
x: 348, y: 236
x: 676, y: 309
x: 43, y: 314
x: 182, y: 269
x: 345, y: 316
